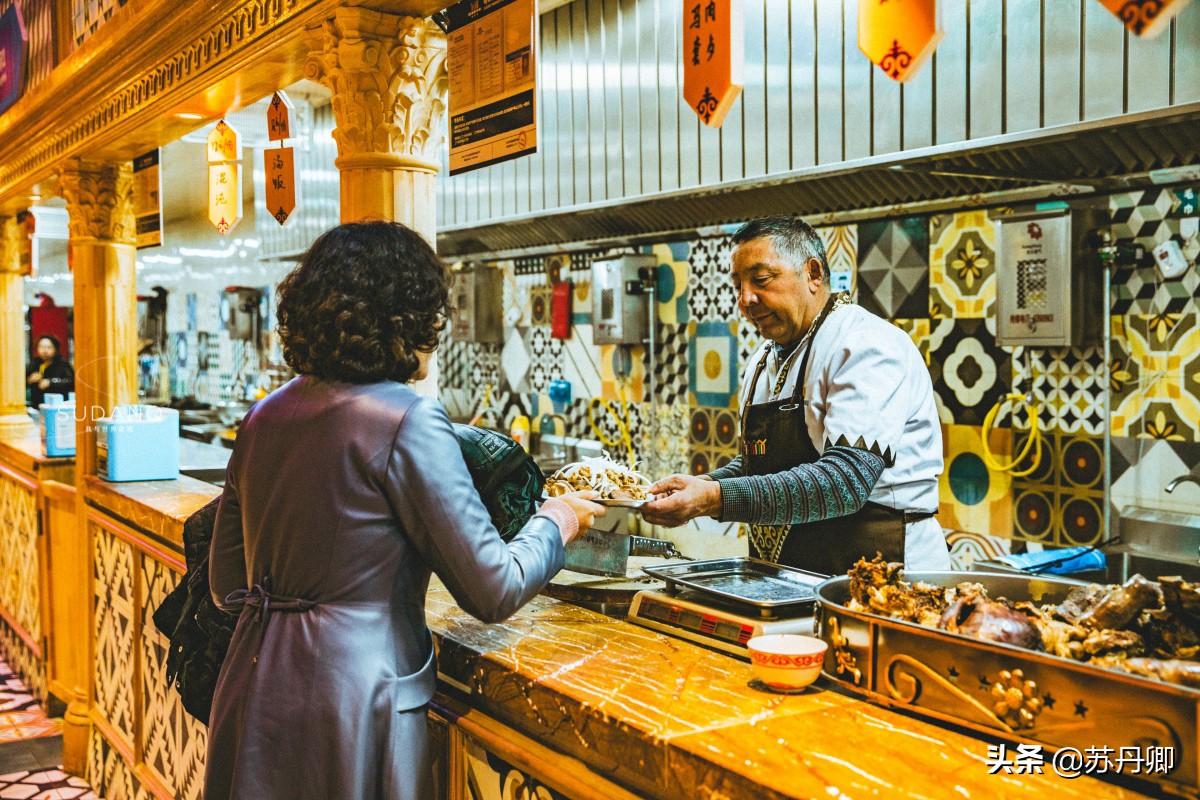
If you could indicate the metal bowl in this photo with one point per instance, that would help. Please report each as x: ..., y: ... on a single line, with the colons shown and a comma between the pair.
x: 230, y: 412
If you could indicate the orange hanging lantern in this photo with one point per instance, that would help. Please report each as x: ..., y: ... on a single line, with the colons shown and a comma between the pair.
x: 714, y: 54
x: 1145, y: 17
x: 898, y: 35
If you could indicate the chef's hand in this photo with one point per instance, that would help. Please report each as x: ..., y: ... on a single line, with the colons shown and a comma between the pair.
x: 585, y: 510
x: 680, y: 498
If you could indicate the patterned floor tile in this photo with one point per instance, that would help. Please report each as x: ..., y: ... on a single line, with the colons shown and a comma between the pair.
x: 893, y: 267
x: 962, y: 265
x: 710, y: 293
x: 50, y: 784
x: 713, y: 363
x: 970, y: 372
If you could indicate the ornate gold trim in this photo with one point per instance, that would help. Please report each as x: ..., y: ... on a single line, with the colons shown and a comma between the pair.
x: 99, y: 199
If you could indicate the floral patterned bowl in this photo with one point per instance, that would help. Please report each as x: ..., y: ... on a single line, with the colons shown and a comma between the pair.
x: 786, y: 660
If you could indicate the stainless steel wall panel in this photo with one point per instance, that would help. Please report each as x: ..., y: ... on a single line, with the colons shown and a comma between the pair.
x: 566, y: 143
x: 589, y: 23
x: 1023, y: 64
x: 629, y: 68
x: 951, y: 68
x: 670, y: 91
x: 754, y: 96
x: 548, y: 135
x: 986, y: 53
x: 708, y: 142
x: 858, y: 83
x: 610, y: 48
x: 804, y: 99
x: 1187, y: 56
x: 829, y: 81
x: 776, y: 89
x: 1061, y: 61
x: 916, y: 110
x: 524, y: 183
x: 1103, y: 63
x: 1148, y: 70
x: 646, y: 24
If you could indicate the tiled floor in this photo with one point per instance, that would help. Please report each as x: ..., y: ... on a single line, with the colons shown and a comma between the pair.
x: 31, y: 748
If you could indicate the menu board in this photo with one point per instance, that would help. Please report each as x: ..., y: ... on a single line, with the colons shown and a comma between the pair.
x: 491, y: 61
x: 147, y: 199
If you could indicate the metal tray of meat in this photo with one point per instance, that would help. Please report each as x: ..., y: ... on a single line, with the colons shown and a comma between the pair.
x: 999, y: 689
x: 743, y: 580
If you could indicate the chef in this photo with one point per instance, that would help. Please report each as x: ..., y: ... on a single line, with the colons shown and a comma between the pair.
x: 841, y: 443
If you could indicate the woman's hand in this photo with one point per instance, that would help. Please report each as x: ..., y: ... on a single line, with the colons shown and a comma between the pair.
x: 44, y: 384
x: 585, y: 510
x: 34, y: 378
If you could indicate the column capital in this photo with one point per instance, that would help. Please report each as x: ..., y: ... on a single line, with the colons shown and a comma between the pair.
x: 388, y: 78
x: 99, y: 197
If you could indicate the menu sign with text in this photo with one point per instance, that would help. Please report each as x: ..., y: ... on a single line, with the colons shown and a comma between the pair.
x: 147, y: 199
x: 713, y: 57
x: 491, y: 63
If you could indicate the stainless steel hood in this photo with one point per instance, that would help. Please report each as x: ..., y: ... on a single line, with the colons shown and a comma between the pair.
x: 1096, y: 157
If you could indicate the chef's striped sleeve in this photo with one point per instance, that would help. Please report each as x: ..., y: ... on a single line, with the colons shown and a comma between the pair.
x: 836, y: 484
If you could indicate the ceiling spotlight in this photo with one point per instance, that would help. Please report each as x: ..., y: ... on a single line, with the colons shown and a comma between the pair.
x: 188, y: 115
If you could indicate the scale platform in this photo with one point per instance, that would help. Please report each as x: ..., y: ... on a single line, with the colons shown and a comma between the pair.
x: 699, y: 618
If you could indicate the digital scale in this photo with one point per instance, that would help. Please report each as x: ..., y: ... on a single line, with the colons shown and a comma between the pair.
x: 726, y: 602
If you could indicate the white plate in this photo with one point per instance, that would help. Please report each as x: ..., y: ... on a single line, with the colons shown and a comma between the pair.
x: 612, y: 503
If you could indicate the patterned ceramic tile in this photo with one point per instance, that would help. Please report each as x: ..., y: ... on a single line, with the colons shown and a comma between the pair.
x: 581, y: 363
x: 1149, y: 218
x: 749, y: 340
x: 45, y: 784
x: 1143, y: 467
x: 581, y: 301
x: 970, y: 372
x: 671, y: 289
x: 713, y: 435
x: 539, y: 304
x: 558, y: 267
x: 972, y: 496
x: 966, y: 548
x: 1060, y: 501
x: 545, y: 354
x: 515, y: 362
x: 710, y: 293
x: 664, y: 446
x: 841, y: 250
x: 1067, y: 386
x: 1157, y: 377
x: 712, y: 363
x: 962, y: 265
x: 671, y: 364
x: 485, y: 367
x: 622, y: 371
x: 533, y: 265
x: 893, y: 267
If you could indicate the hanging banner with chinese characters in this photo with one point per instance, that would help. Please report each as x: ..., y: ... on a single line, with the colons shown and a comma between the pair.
x: 491, y: 52
x: 281, y: 183
x: 147, y: 199
x: 898, y: 35
x: 224, y: 178
x: 1145, y: 17
x: 280, y: 166
x: 713, y: 57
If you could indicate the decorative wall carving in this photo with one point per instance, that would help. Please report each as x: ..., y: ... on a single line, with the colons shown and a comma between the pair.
x: 388, y: 78
x: 9, y: 245
x: 99, y: 199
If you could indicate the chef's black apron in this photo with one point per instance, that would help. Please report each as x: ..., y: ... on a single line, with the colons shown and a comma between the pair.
x: 774, y: 439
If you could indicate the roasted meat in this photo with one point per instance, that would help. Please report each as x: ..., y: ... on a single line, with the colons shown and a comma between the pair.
x: 1184, y: 673
x: 1120, y: 605
x: 1182, y: 599
x: 876, y: 585
x: 973, y: 614
x: 1166, y: 634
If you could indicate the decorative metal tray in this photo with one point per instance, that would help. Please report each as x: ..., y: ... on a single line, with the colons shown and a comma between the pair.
x: 1005, y: 690
x: 743, y: 580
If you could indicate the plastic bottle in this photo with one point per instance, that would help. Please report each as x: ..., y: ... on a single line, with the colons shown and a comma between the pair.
x: 520, y: 431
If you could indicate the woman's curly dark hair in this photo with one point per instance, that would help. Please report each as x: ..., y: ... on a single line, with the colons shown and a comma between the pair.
x: 366, y: 298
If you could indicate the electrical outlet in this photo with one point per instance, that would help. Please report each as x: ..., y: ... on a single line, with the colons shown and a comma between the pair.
x: 1169, y: 259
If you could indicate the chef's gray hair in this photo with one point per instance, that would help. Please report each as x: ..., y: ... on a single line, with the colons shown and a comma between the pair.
x: 795, y: 240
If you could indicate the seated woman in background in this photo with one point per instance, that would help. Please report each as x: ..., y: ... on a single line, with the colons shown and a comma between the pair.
x: 345, y: 490
x: 50, y: 374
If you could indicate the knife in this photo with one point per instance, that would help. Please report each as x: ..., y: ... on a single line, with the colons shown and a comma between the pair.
x: 599, y: 552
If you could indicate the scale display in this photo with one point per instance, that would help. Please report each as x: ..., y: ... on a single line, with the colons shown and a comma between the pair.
x: 722, y: 628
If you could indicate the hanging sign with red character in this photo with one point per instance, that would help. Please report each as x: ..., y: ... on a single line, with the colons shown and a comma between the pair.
x: 713, y: 57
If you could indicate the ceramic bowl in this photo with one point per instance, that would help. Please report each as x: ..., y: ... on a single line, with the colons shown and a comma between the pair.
x: 786, y: 660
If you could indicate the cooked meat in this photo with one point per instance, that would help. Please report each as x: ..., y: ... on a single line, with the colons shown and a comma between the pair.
x: 874, y: 574
x: 1166, y: 634
x: 1113, y: 643
x: 972, y: 614
x: 1080, y: 601
x: 1121, y: 605
x: 1183, y: 599
x: 876, y: 586
x: 1184, y: 673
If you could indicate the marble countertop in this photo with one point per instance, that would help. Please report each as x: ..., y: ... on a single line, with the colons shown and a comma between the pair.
x: 156, y: 507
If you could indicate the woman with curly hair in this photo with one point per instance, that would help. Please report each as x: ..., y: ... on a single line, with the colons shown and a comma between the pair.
x: 345, y: 490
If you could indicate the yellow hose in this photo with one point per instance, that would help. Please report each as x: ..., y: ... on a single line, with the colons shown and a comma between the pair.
x: 1034, y: 442
x: 484, y: 407
x: 622, y: 423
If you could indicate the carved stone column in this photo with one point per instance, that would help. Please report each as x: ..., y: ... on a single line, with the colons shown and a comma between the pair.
x: 99, y: 199
x: 388, y: 78
x: 13, y: 418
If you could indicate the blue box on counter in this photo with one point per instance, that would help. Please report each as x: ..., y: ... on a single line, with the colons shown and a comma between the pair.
x: 138, y: 443
x: 56, y: 423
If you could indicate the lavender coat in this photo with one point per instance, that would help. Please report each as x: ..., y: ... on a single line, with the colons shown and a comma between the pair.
x: 340, y: 500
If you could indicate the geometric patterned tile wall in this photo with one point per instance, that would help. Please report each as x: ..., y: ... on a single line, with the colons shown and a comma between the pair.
x: 1061, y: 502
x: 173, y: 741
x: 1149, y: 218
x: 113, y: 611
x: 20, y: 593
x: 962, y: 265
x: 1156, y: 361
x: 109, y: 775
x: 893, y: 268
